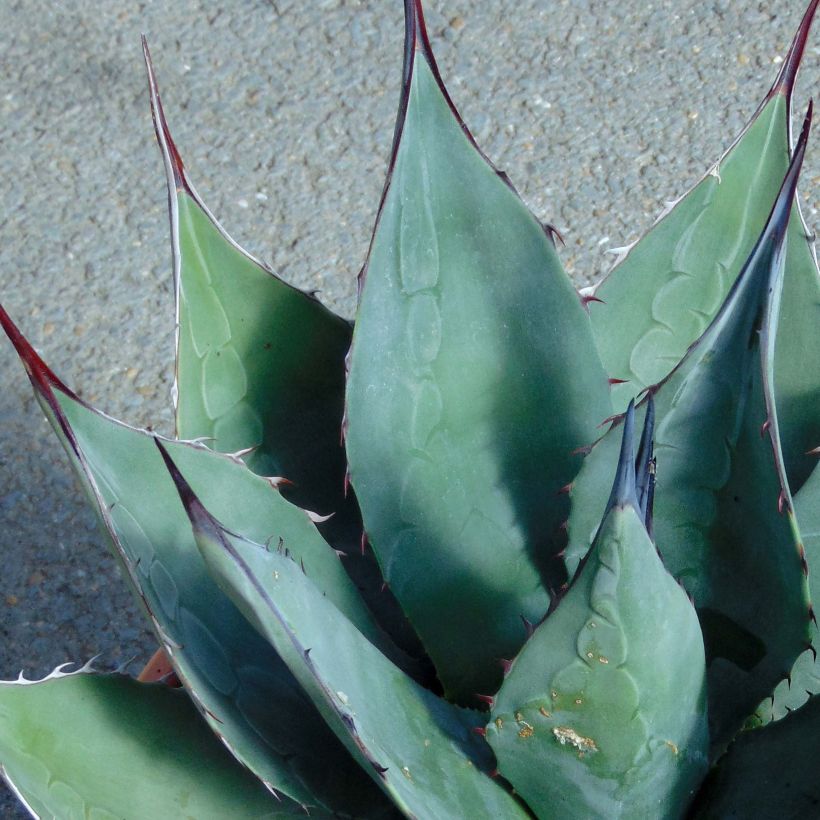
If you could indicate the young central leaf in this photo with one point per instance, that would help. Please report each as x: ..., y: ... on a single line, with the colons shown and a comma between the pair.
x: 473, y: 377
x: 724, y: 520
x: 603, y: 714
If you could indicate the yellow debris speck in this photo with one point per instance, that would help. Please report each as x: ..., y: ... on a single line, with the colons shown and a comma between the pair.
x: 406, y: 772
x: 519, y: 717
x: 275, y: 575
x: 578, y: 701
x: 566, y: 734
x: 554, y: 694
x: 590, y: 655
x: 544, y: 712
x: 499, y: 724
x: 526, y: 730
x: 672, y: 746
x: 602, y: 659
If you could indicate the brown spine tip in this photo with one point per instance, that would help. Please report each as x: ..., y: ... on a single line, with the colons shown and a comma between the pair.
x: 506, y: 665
x: 618, y: 381
x: 480, y: 731
x: 488, y: 699
x: 41, y: 375
x: 804, y: 564
x: 551, y: 231
x: 610, y: 419
x: 586, y: 298
x: 764, y: 428
x: 784, y: 83
x: 174, y: 165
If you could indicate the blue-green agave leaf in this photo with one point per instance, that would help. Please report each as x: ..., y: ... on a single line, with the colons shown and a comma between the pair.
x: 668, y: 286
x: 85, y: 745
x: 771, y: 773
x: 422, y: 751
x: 603, y: 713
x: 804, y: 678
x: 260, y: 370
x: 244, y: 690
x: 260, y: 364
x: 724, y: 519
x: 473, y: 376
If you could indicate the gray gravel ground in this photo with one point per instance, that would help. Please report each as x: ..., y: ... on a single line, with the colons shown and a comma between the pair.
x: 598, y: 111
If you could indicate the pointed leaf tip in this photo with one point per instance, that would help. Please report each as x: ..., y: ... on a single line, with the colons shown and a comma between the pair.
x: 194, y: 509
x: 173, y: 161
x: 41, y: 375
x: 783, y: 204
x: 623, y: 489
x: 774, y: 233
x: 416, y: 39
x: 784, y: 82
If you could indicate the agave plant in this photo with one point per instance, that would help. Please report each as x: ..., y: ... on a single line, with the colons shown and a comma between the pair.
x: 479, y: 604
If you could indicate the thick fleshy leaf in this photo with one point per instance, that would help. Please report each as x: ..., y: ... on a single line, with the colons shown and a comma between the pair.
x: 804, y: 679
x: 260, y: 365
x: 603, y: 713
x: 242, y: 687
x: 421, y: 750
x: 83, y: 745
x: 473, y: 377
x: 667, y: 287
x: 723, y: 519
x: 771, y: 773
